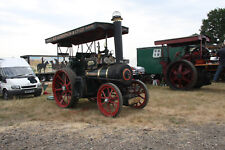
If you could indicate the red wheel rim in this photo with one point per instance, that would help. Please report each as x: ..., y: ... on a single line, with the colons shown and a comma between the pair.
x: 181, y: 75
x: 62, y: 89
x: 139, y: 94
x: 108, y: 100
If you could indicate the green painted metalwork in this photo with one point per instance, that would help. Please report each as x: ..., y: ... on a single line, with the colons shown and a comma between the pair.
x: 146, y: 59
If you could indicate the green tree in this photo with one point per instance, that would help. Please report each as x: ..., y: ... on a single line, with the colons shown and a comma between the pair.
x: 214, y: 25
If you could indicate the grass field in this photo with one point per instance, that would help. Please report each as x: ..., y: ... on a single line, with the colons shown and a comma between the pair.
x: 166, y: 107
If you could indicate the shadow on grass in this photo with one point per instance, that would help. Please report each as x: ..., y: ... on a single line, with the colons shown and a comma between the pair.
x: 88, y: 106
x: 20, y: 97
x: 211, y: 90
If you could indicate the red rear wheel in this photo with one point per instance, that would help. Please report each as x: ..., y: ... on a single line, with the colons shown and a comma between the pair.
x: 109, y: 100
x: 140, y: 94
x: 63, y: 88
x: 181, y: 75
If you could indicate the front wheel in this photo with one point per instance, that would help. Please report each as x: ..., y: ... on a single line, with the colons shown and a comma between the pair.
x: 139, y: 93
x: 37, y: 94
x: 109, y: 100
x: 6, y: 95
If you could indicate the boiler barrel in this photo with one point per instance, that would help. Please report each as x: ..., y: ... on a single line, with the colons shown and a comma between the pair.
x: 117, y: 71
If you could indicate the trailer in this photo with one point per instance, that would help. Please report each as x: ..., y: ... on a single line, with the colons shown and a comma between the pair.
x: 184, y: 63
x: 150, y: 58
x: 45, y: 66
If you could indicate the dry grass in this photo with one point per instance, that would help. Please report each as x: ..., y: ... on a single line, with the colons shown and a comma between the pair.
x: 166, y: 107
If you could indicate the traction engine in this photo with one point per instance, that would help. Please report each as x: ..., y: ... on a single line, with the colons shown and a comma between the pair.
x: 96, y: 74
x: 192, y: 67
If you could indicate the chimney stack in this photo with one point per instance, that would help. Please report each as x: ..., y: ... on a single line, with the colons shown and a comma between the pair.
x: 116, y: 18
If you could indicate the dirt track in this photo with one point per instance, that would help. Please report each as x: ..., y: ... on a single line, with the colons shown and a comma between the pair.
x: 55, y: 135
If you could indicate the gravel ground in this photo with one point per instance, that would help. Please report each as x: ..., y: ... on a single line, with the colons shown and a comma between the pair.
x: 57, y: 136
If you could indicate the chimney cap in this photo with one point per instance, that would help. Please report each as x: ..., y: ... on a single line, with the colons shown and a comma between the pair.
x: 116, y: 16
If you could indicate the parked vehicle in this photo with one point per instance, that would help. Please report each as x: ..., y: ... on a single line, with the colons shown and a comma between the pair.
x: 185, y: 63
x: 45, y: 66
x: 95, y: 74
x: 17, y: 78
x: 138, y: 72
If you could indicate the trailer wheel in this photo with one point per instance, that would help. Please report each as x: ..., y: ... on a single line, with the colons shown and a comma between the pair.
x: 139, y: 93
x: 64, y: 89
x: 109, y: 100
x: 181, y: 75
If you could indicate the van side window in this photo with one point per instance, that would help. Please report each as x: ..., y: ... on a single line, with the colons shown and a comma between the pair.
x: 1, y: 72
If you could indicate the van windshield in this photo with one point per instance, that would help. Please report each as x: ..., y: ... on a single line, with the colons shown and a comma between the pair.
x: 17, y: 71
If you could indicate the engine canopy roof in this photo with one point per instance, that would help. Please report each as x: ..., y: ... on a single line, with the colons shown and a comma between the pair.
x: 91, y: 32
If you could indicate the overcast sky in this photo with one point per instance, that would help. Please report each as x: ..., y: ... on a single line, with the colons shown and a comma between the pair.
x: 25, y: 24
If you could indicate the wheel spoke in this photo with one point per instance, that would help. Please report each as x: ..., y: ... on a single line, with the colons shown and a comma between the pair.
x: 62, y: 100
x: 60, y: 89
x: 113, y: 98
x: 113, y: 102
x: 186, y: 72
x: 60, y: 79
x: 139, y: 89
x: 180, y: 68
x: 68, y: 92
x: 180, y: 83
x: 108, y: 107
x: 103, y: 94
x: 104, y: 97
x: 139, y: 103
x: 103, y: 103
x: 68, y: 98
x: 141, y: 96
x: 65, y: 78
x: 68, y: 85
x: 110, y: 93
x: 174, y: 72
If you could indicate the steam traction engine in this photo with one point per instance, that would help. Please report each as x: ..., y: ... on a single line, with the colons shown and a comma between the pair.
x: 192, y: 67
x: 97, y: 75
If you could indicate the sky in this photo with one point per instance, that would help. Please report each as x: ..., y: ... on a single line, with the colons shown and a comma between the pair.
x: 25, y: 24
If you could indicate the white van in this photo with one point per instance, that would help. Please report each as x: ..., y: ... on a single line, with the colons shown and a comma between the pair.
x: 17, y: 78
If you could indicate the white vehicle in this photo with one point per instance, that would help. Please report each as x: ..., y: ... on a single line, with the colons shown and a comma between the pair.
x: 138, y: 70
x: 17, y: 78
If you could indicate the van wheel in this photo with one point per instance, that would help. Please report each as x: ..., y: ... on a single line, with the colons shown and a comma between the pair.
x: 6, y: 95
